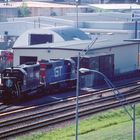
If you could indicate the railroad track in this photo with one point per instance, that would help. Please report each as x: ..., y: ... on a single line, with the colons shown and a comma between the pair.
x: 21, y: 111
x: 7, y: 109
x: 51, y: 114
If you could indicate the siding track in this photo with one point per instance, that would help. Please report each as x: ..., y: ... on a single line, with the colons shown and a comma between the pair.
x: 31, y: 118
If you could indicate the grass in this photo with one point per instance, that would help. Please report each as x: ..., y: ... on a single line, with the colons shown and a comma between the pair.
x: 120, y: 131
x: 109, y: 125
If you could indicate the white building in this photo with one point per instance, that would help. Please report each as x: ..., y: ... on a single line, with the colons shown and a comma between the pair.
x: 42, y: 43
x: 66, y: 42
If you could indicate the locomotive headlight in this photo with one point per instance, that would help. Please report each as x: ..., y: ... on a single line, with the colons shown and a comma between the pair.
x: 9, y: 83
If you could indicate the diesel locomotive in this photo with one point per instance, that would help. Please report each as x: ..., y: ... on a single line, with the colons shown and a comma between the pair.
x: 30, y: 79
x: 57, y: 75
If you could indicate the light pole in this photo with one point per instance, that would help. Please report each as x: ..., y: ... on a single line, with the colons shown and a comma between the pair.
x: 83, y: 70
x: 77, y: 12
x: 78, y: 81
x: 109, y: 83
x: 77, y: 95
x: 112, y: 87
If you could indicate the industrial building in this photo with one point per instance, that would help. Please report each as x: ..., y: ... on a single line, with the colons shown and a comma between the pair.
x: 66, y: 42
x: 111, y: 28
x: 12, y: 9
x: 43, y: 43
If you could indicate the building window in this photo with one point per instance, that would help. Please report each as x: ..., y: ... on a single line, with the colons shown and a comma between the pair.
x: 40, y: 38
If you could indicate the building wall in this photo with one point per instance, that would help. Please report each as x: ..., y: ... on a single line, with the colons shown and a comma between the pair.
x: 46, y: 52
x: 114, y: 25
x: 53, y: 11
x: 8, y: 13
x: 125, y: 57
x: 24, y: 40
x: 42, y: 54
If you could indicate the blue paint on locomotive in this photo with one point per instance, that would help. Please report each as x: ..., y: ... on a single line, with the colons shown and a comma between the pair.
x: 58, y: 70
x: 31, y: 79
x: 26, y: 76
x: 27, y: 79
x: 55, y: 72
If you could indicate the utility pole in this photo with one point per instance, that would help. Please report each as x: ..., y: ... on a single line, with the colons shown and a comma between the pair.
x: 77, y: 2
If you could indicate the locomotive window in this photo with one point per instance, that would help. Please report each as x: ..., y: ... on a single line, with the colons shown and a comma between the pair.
x: 40, y: 38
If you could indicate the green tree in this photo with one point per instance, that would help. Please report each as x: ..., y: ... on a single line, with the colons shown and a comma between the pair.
x: 23, y: 10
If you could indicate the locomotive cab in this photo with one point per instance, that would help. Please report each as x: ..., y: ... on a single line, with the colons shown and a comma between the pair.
x: 20, y: 81
x: 12, y: 79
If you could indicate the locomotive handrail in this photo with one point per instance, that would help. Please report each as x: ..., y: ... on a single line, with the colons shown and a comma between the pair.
x: 4, y: 77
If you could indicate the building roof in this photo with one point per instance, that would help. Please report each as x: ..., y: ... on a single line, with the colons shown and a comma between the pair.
x: 70, y: 33
x: 79, y: 45
x: 137, y: 40
x: 116, y: 6
x: 37, y: 4
x: 60, y: 34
